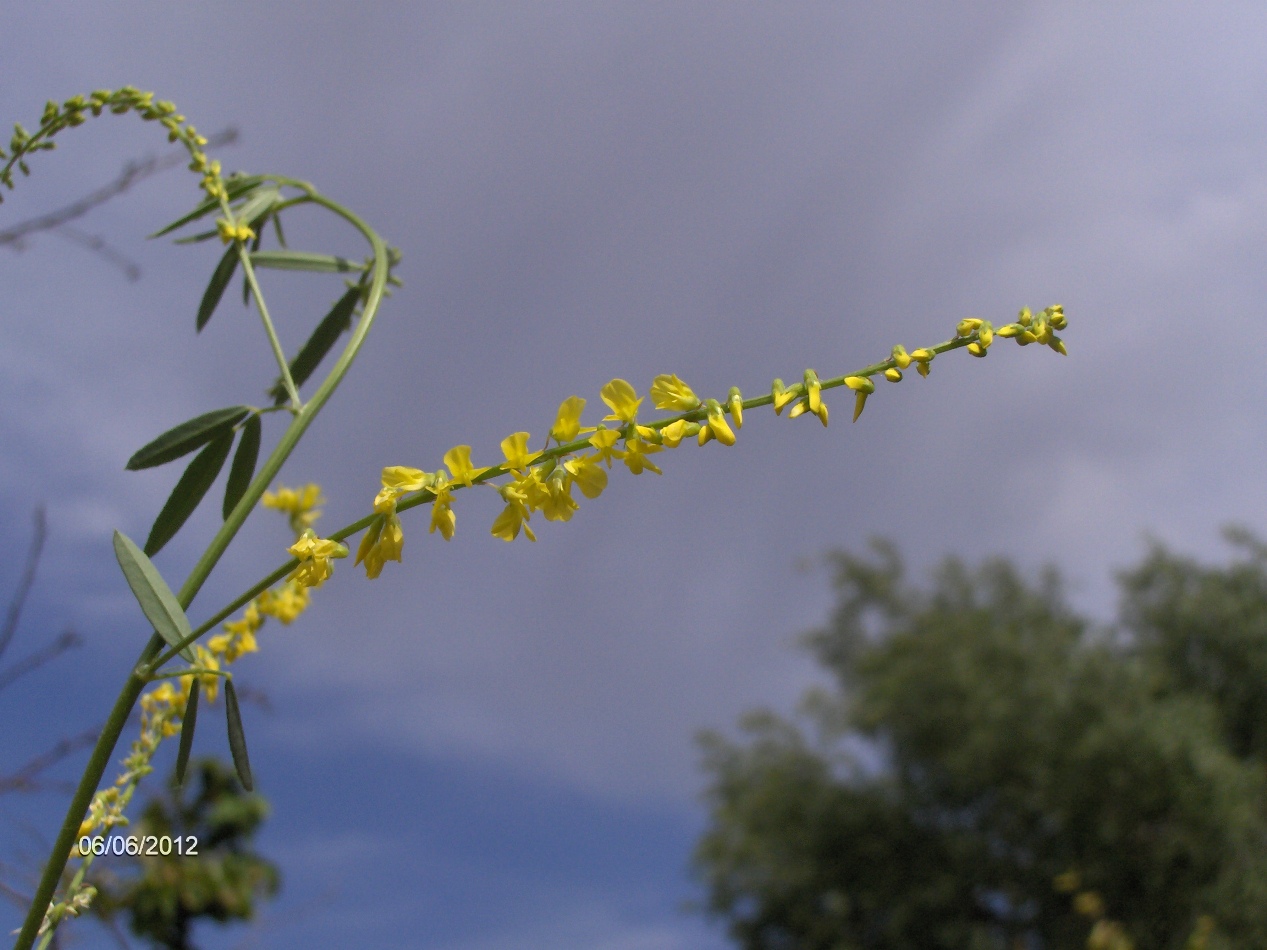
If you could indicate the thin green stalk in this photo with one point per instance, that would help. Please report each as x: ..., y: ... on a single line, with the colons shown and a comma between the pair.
x: 278, y: 353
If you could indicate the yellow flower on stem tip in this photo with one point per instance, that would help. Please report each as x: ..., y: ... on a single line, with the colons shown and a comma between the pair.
x: 515, y: 448
x: 458, y: 459
x: 559, y: 504
x: 442, y: 516
x: 669, y: 392
x: 734, y: 402
x: 716, y: 427
x: 862, y: 387
x: 567, y: 424
x: 901, y: 358
x: 782, y: 396
x: 635, y: 456
x: 588, y: 474
x: 230, y: 232
x: 622, y: 399
x: 605, y: 441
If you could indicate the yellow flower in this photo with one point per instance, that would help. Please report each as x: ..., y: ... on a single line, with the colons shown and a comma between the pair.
x: 458, y: 459
x: 314, y: 555
x: 781, y: 396
x: 605, y: 441
x: 893, y: 375
x: 862, y: 387
x: 669, y: 392
x: 567, y: 424
x: 802, y: 406
x: 622, y: 399
x: 734, y: 402
x: 287, y: 603
x: 923, y: 357
x: 298, y: 503
x: 673, y: 434
x: 233, y: 232
x: 559, y: 503
x: 588, y: 474
x: 516, y: 513
x: 967, y: 325
x: 901, y: 358
x: 813, y: 388
x: 985, y: 334
x: 206, y: 660
x: 1089, y: 904
x: 716, y: 427
x: 515, y: 448
x: 635, y: 456
x: 442, y: 516
x: 368, y: 550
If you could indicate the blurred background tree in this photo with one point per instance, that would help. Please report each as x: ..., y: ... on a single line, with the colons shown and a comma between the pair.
x: 990, y: 770
x: 163, y: 896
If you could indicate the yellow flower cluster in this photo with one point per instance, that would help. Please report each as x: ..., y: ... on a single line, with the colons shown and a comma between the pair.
x: 542, y: 481
x: 163, y: 705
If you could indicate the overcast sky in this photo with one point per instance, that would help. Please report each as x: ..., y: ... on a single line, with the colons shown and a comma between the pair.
x: 492, y: 745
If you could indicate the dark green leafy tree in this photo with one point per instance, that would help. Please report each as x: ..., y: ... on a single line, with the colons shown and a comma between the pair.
x: 163, y: 896
x: 990, y: 770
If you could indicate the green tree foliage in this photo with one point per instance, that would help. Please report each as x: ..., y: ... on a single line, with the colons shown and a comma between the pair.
x: 167, y: 895
x: 990, y: 770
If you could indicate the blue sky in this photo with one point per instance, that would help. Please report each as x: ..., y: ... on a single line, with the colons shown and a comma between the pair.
x: 492, y: 745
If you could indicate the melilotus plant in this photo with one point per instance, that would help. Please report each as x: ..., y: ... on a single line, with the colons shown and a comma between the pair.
x: 174, y: 668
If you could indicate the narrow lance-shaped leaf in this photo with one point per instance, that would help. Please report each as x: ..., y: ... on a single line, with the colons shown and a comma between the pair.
x: 305, y: 260
x: 310, y: 355
x: 215, y: 289
x: 189, y: 491
x: 237, y: 738
x: 157, y: 601
x: 187, y: 725
x: 243, y: 468
x: 186, y: 437
x: 234, y: 187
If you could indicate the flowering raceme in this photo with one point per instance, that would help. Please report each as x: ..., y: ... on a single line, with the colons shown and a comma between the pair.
x: 542, y: 481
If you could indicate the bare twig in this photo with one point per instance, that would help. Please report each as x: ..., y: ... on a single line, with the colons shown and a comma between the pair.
x: 133, y: 171
x: 24, y: 779
x: 28, y: 578
x: 67, y: 641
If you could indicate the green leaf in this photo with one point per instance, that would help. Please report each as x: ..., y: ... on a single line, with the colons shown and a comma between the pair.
x: 256, y: 208
x: 235, y: 186
x: 215, y: 290
x: 157, y: 601
x: 243, y: 468
x: 197, y: 238
x: 186, y: 437
x: 237, y: 738
x: 335, y: 323
x: 304, y: 260
x: 187, y: 724
x: 189, y: 491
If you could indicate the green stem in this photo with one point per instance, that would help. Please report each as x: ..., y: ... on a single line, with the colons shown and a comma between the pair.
x: 278, y: 353
x: 135, y: 683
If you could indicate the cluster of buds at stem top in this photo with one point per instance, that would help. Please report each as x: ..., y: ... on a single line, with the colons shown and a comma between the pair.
x: 75, y: 111
x: 580, y: 457
x: 1026, y: 330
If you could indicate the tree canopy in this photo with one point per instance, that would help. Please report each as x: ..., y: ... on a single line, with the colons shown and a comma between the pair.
x: 991, y: 770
